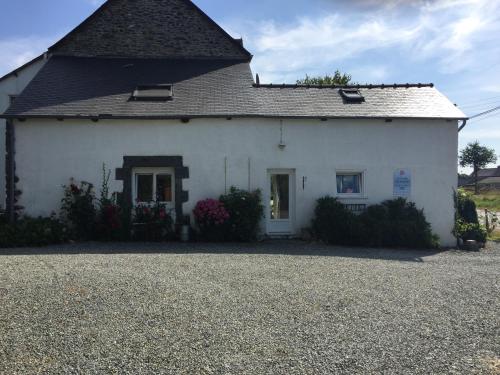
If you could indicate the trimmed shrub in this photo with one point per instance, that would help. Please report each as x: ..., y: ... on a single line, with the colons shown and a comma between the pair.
x: 245, y: 211
x: 393, y: 223
x: 28, y: 231
x: 396, y: 223
x: 333, y: 223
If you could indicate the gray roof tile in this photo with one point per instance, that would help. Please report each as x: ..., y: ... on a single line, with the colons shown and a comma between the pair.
x: 89, y: 87
x: 150, y: 29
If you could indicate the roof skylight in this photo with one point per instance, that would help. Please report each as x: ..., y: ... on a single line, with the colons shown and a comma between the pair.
x: 352, y: 95
x: 162, y: 92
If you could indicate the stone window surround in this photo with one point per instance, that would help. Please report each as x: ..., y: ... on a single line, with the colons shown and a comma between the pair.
x: 181, y: 172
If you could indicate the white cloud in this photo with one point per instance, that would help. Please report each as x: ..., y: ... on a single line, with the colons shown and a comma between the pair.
x: 18, y: 51
x: 451, y: 33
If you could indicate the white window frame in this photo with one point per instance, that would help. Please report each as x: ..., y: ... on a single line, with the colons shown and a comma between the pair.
x: 155, y: 172
x: 348, y: 172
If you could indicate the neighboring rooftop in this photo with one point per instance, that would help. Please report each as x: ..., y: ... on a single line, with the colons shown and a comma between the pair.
x: 488, y: 172
x: 89, y: 87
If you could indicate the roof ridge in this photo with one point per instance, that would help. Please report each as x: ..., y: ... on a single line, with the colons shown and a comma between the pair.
x: 365, y: 86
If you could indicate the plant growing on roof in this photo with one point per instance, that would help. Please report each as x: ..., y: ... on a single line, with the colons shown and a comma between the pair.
x: 337, y: 79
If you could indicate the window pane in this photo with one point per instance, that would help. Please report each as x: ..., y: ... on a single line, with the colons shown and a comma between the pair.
x: 349, y: 183
x: 339, y: 184
x: 164, y: 188
x: 144, y: 187
x: 280, y: 201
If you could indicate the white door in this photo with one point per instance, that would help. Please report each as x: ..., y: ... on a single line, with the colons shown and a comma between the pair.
x: 281, y: 207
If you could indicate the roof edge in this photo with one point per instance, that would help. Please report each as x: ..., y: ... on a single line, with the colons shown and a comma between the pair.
x: 222, y: 116
x: 365, y: 86
x: 25, y: 65
x: 236, y: 42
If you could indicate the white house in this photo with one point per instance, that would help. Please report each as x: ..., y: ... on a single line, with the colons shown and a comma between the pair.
x: 166, y: 99
x: 11, y: 85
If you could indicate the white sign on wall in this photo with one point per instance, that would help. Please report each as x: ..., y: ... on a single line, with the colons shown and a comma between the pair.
x: 402, y: 183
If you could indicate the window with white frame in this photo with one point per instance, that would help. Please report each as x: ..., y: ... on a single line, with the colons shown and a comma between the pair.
x: 153, y: 186
x: 350, y: 183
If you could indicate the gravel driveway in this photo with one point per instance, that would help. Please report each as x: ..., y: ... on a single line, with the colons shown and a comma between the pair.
x: 280, y: 308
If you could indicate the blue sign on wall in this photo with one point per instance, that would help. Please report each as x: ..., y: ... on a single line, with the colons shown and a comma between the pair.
x: 402, y: 183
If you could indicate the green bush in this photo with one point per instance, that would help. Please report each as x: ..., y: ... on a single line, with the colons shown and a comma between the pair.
x: 245, y: 213
x: 396, y: 223
x: 470, y: 231
x: 466, y: 207
x: 393, y: 223
x: 333, y: 222
x: 467, y: 226
x: 78, y: 209
x: 28, y: 231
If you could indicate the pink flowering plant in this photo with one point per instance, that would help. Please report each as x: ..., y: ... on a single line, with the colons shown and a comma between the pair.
x: 211, y: 216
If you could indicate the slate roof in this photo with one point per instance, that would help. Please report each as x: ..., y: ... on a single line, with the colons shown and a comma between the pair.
x: 74, y: 87
x: 488, y: 172
x: 150, y: 29
x: 381, y: 101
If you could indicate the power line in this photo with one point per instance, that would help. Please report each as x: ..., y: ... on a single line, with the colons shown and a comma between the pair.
x: 491, y: 115
x: 485, y: 112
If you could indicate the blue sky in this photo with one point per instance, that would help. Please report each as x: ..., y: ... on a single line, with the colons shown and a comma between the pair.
x: 452, y: 43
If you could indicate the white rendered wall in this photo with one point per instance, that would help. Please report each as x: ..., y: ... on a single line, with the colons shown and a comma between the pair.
x: 12, y: 85
x: 50, y: 152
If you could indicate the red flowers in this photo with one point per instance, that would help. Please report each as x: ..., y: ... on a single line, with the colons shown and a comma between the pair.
x: 145, y: 213
x: 210, y: 212
x: 74, y: 189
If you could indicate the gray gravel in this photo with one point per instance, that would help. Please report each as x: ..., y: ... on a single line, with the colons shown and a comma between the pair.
x: 285, y: 308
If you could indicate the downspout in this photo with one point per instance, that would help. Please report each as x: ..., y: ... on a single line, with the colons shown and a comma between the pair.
x: 10, y: 170
x: 463, y: 125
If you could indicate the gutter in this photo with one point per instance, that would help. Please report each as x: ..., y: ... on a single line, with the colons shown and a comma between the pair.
x: 10, y: 171
x: 22, y: 117
x: 464, y: 122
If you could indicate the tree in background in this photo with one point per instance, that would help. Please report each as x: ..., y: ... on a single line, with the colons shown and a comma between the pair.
x: 477, y: 157
x: 338, y: 79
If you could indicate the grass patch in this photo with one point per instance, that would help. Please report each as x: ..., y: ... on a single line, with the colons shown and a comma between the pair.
x: 489, y: 200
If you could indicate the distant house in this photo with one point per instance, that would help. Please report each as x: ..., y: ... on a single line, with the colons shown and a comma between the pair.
x: 488, y: 178
x: 162, y: 95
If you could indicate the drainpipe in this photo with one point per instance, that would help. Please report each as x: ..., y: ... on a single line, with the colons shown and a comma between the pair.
x: 463, y: 125
x: 10, y: 170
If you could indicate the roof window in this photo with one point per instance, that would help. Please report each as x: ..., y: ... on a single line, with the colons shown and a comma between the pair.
x: 160, y: 93
x: 352, y: 95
